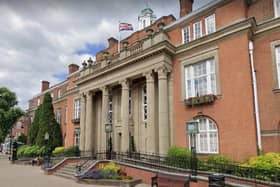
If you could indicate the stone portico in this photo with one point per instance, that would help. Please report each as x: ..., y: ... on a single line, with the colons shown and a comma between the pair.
x: 135, y: 89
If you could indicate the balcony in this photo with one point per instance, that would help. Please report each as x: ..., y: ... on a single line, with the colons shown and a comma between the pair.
x: 128, y: 51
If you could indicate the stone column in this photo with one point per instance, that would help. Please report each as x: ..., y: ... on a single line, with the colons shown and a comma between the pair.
x: 105, y: 108
x: 89, y: 124
x: 150, y: 86
x: 124, y: 116
x: 163, y: 110
x: 82, y: 122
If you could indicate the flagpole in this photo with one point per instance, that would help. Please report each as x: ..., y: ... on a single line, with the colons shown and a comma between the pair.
x: 119, y: 43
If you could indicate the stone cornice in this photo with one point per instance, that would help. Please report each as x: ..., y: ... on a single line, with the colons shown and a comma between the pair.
x: 161, y: 47
x: 268, y: 26
x: 219, y: 34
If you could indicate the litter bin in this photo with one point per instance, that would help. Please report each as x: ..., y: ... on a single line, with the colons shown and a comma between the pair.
x: 216, y: 180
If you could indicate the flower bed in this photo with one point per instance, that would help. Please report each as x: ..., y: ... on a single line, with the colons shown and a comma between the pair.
x: 108, y: 174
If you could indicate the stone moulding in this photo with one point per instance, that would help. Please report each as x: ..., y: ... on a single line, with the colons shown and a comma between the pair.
x: 200, y: 100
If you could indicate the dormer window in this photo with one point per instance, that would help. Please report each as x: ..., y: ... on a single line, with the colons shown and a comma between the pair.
x: 186, y: 33
x: 197, y: 30
x: 277, y: 8
x: 59, y: 93
x: 210, y: 26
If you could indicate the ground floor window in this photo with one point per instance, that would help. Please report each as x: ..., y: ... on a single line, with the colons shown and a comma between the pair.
x: 77, y: 137
x: 207, y: 138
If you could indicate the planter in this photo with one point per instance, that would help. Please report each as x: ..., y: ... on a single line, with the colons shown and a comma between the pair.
x: 200, y: 100
x: 110, y: 182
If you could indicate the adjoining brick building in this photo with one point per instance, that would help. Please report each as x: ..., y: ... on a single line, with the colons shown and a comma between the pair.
x: 66, y: 104
x: 218, y: 64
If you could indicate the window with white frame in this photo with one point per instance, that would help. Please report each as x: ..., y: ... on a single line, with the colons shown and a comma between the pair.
x: 38, y: 102
x: 200, y: 78
x: 144, y: 103
x: 129, y: 103
x: 52, y: 94
x: 110, y: 108
x: 197, y: 30
x: 58, y: 116
x: 210, y: 25
x: 77, y: 137
x: 59, y: 93
x: 207, y: 138
x: 66, y: 116
x: 277, y: 8
x: 277, y: 57
x: 186, y: 33
x: 77, y: 108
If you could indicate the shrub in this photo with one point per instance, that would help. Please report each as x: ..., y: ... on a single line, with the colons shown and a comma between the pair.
x: 178, y: 157
x: 67, y: 152
x: 267, y: 161
x: 31, y: 151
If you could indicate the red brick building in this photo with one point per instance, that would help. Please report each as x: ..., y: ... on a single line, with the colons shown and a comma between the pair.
x: 66, y: 104
x: 218, y: 64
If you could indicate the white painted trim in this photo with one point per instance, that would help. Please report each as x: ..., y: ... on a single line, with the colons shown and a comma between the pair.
x: 276, y: 12
x: 207, y: 22
x: 277, y: 58
x: 194, y: 29
x: 188, y: 28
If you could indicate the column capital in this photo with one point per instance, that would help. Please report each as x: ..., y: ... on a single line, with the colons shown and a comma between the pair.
x: 162, y: 72
x: 125, y: 84
x: 105, y: 90
x: 89, y: 94
x: 149, y: 76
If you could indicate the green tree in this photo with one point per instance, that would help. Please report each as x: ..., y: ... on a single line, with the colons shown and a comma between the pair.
x: 34, y: 128
x: 9, y: 113
x: 48, y: 124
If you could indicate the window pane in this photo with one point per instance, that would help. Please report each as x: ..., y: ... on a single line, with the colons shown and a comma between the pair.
x: 210, y: 24
x: 277, y: 8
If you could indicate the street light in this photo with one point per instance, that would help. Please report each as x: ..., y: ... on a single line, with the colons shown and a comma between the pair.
x: 47, y: 157
x: 192, y: 129
x: 108, y: 130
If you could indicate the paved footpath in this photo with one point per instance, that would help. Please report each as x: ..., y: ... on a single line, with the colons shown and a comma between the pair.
x: 27, y: 176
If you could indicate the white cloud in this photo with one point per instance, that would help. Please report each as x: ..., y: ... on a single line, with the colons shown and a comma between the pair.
x: 39, y: 38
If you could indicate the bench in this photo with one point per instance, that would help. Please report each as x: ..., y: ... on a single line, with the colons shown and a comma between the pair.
x: 166, y: 180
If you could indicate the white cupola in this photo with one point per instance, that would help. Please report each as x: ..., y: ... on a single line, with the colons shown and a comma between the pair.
x: 146, y: 18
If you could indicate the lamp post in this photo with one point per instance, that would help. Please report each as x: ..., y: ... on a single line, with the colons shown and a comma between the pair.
x: 108, y: 130
x: 47, y: 157
x: 192, y: 129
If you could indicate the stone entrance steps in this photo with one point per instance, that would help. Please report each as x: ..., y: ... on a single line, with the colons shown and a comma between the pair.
x: 70, y: 170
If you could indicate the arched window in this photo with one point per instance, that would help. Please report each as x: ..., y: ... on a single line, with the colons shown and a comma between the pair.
x: 207, y: 139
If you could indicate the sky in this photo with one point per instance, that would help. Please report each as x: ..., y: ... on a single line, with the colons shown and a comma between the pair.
x: 40, y: 38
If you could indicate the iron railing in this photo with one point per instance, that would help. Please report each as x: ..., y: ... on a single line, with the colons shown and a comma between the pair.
x: 183, y: 164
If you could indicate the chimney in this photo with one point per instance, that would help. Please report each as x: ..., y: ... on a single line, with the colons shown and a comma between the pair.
x: 185, y: 7
x: 45, y: 85
x: 72, y: 68
x: 112, y: 42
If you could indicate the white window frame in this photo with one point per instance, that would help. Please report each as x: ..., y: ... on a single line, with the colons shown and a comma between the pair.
x: 277, y: 58
x: 208, y: 23
x: 276, y: 11
x: 184, y: 33
x: 77, y: 136
x: 38, y: 102
x: 59, y: 93
x: 77, y: 108
x: 144, y: 103
x: 194, y: 30
x: 58, y: 116
x: 207, y: 132
x: 66, y: 116
x: 52, y: 94
x: 192, y: 78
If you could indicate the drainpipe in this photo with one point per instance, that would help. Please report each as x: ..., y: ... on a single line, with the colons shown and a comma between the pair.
x: 255, y: 94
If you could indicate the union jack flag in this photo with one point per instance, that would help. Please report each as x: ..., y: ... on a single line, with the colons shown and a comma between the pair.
x: 125, y: 27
